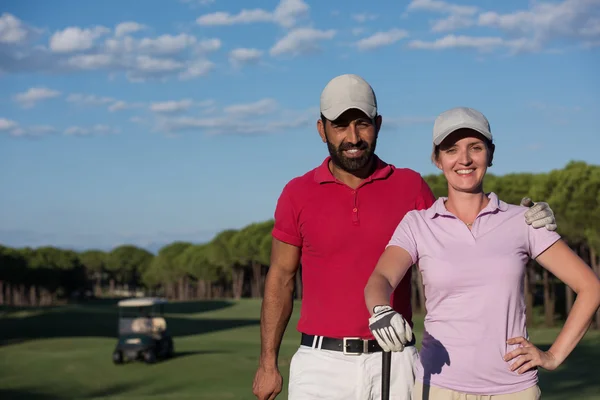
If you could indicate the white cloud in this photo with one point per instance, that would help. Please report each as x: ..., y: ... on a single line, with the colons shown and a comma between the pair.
x: 7, y: 124
x: 243, y: 17
x: 75, y: 38
x: 381, y: 39
x: 286, y: 14
x: 197, y: 68
x: 441, y: 7
x: 125, y: 28
x: 12, y: 29
x: 301, y: 41
x: 242, y: 56
x: 364, y: 17
x: 208, y: 45
x: 263, y: 116
x: 121, y: 105
x: 234, y: 126
x: 260, y: 107
x: 452, y: 23
x: 93, y: 100
x: 15, y: 129
x: 34, y: 95
x: 91, y: 61
x: 73, y: 49
x: 480, y: 43
x: 171, y: 106
x: 545, y: 22
x: 166, y: 44
x: 203, y: 3
x: 153, y: 64
x: 98, y: 129
x: 89, y: 99
x: 530, y: 30
x: 34, y: 131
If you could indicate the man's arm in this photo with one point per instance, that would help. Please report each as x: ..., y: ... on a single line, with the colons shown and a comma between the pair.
x: 277, y: 300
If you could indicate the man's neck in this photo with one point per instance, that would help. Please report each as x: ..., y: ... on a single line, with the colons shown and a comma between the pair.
x: 355, y: 178
x: 466, y: 206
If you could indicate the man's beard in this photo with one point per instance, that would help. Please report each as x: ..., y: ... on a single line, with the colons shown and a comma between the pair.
x: 352, y: 164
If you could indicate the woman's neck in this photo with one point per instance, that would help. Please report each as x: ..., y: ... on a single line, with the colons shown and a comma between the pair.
x: 466, y: 206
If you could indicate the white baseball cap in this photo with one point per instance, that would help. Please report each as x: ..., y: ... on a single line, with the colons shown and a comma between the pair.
x: 459, y: 118
x: 345, y: 92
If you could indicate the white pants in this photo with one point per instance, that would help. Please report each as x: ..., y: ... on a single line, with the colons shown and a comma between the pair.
x: 332, y: 375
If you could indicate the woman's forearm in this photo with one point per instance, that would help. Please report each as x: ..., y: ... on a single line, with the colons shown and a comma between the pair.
x: 377, y: 291
x: 577, y: 323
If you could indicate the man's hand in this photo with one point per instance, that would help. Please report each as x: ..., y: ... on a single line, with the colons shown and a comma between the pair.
x: 390, y: 329
x: 267, y: 383
x: 539, y: 214
x: 528, y: 356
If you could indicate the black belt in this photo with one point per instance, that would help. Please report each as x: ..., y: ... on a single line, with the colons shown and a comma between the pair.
x: 349, y: 345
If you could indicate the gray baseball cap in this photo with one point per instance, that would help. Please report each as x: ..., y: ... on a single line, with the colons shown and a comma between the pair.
x: 460, y: 118
x: 345, y: 92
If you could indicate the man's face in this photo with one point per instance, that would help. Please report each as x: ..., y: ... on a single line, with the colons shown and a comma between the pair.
x: 351, y: 139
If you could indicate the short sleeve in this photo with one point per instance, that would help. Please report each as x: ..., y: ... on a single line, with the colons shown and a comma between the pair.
x: 539, y: 239
x: 404, y: 236
x: 425, y: 197
x: 286, y: 228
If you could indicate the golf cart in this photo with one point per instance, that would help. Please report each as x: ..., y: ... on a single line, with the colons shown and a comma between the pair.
x: 142, y: 331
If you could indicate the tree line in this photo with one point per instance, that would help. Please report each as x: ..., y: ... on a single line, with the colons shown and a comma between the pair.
x: 234, y: 263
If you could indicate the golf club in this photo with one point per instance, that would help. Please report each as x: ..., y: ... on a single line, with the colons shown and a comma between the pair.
x: 386, y: 366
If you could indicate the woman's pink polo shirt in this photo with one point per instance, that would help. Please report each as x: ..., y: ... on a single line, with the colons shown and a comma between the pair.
x: 473, y: 283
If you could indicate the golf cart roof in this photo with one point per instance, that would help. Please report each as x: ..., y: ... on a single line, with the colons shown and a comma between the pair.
x: 142, y: 302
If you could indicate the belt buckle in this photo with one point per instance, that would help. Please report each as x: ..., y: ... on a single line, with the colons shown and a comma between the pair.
x: 348, y: 353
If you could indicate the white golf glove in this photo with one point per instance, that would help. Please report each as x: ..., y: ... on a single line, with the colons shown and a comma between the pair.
x: 539, y: 215
x: 390, y: 329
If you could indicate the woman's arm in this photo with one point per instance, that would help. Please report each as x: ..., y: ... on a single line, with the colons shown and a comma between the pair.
x: 389, y: 271
x: 567, y: 266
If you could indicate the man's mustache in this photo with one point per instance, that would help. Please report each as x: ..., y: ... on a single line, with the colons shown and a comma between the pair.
x: 362, y: 145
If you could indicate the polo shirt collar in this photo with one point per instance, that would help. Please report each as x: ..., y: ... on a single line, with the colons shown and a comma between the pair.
x: 439, y: 207
x: 324, y: 175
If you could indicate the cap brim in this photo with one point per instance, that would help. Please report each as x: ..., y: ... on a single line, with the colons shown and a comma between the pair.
x: 334, y: 113
x: 440, y: 138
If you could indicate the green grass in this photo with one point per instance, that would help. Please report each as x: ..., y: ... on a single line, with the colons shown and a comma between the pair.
x: 65, y: 353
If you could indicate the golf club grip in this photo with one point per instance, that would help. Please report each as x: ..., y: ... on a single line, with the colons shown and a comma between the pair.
x: 386, y: 366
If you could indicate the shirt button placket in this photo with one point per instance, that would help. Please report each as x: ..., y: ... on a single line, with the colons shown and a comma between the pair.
x: 355, y: 209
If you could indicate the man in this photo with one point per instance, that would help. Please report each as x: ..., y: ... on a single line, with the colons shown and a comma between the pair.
x: 336, y: 221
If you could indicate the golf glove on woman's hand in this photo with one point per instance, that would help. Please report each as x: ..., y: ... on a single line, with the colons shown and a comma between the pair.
x: 390, y: 329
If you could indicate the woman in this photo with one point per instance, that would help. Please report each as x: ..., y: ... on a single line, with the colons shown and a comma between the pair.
x: 472, y: 249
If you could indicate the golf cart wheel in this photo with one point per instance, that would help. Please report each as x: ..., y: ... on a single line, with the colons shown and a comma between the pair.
x: 149, y: 357
x: 117, y: 357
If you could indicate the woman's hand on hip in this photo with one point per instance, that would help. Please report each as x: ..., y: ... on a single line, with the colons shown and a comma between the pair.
x: 529, y: 356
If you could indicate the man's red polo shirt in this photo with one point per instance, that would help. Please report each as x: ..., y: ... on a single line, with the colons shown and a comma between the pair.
x: 342, y: 233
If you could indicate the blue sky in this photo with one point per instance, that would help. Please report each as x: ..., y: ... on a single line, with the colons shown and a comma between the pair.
x: 148, y: 122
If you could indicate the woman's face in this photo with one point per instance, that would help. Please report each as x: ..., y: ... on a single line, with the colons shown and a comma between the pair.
x: 464, y: 158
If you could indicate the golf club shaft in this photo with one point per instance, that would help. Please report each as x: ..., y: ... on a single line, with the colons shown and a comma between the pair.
x: 386, y: 366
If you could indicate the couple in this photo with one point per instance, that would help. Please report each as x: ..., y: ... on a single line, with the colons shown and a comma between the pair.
x: 337, y: 220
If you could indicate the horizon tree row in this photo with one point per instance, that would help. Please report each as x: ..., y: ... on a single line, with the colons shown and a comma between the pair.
x: 234, y: 263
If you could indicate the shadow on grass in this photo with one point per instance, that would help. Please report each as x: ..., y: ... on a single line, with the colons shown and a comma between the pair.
x: 83, y: 321
x: 182, y: 354
x: 29, y: 394
x: 577, y: 375
x: 24, y: 394
x: 195, y: 307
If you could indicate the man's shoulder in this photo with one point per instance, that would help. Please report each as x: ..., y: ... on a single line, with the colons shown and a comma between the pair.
x: 405, y: 177
x: 405, y: 173
x: 300, y: 182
